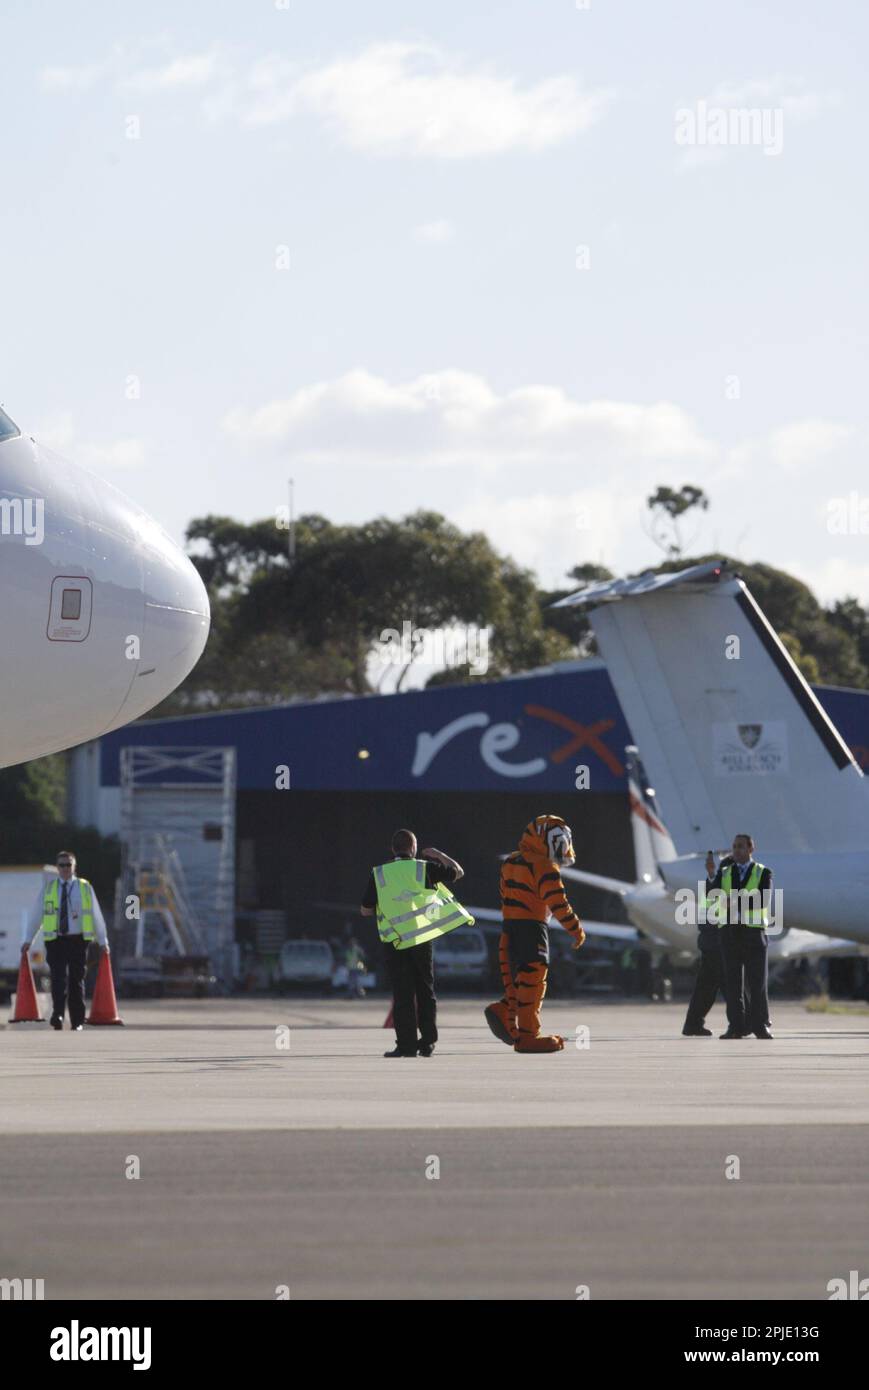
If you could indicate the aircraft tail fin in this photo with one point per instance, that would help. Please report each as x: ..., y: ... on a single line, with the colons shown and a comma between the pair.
x: 733, y: 737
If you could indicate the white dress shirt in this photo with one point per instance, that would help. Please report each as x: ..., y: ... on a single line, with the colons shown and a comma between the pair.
x: 73, y: 893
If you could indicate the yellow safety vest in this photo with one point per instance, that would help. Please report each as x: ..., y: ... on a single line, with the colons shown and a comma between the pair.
x: 751, y: 917
x: 408, y: 912
x: 51, y: 910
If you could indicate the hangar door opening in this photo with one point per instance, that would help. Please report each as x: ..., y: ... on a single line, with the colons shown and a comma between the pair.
x: 177, y: 829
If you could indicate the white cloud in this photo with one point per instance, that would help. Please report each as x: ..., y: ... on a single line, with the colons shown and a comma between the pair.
x: 437, y: 232
x: 81, y: 78
x: 747, y: 114
x: 836, y: 577
x: 551, y: 532
x: 121, y: 454
x: 413, y: 98
x: 806, y: 442
x: 118, y: 454
x: 192, y: 71
x: 387, y: 98
x: 791, y: 94
x: 456, y: 418
x: 795, y: 447
x: 552, y: 479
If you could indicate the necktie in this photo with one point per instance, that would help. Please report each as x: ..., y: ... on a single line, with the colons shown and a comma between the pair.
x: 64, y: 910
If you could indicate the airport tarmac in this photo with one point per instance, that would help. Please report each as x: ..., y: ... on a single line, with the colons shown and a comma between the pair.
x: 310, y: 1165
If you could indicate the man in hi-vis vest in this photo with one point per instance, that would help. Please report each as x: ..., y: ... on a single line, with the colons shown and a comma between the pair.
x: 70, y: 917
x: 414, y: 906
x: 741, y: 912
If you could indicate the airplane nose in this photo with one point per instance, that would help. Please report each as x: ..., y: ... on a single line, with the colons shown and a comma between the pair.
x: 177, y: 619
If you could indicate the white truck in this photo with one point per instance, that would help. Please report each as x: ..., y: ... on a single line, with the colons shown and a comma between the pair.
x: 18, y: 889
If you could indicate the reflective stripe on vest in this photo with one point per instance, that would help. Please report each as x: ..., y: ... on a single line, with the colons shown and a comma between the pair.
x: 750, y: 917
x: 51, y: 910
x: 409, y: 913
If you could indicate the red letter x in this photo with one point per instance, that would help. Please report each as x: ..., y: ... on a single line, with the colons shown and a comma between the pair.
x: 583, y: 734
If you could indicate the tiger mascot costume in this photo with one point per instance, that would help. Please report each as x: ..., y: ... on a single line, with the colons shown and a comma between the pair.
x: 531, y: 891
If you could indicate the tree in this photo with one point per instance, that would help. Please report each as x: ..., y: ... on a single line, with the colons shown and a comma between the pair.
x: 281, y: 631
x: 573, y: 623
x: 668, y: 509
x: 33, y: 806
x: 825, y: 647
x: 848, y: 617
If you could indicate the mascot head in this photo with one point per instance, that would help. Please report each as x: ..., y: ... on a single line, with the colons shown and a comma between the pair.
x: 548, y: 837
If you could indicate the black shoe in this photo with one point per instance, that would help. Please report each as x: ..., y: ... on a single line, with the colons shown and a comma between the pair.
x: 730, y: 1034
x: 56, y: 1022
x: 763, y: 1032
x: 425, y: 1049
x: 77, y: 1028
x: 397, y: 1053
x: 696, y: 1032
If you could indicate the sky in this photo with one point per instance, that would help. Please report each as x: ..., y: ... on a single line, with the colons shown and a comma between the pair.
x: 519, y: 263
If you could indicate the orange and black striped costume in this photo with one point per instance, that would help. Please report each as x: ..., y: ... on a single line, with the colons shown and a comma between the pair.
x: 531, y: 890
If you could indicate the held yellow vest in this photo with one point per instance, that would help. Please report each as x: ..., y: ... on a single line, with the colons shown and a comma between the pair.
x: 751, y: 916
x: 409, y: 913
x: 51, y: 910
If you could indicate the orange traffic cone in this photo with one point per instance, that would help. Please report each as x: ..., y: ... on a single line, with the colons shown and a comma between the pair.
x: 389, y: 1021
x: 104, y: 1008
x: 26, y: 1003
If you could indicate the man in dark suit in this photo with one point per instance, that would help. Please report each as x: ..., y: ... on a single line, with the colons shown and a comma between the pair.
x: 710, y: 979
x: 743, y: 917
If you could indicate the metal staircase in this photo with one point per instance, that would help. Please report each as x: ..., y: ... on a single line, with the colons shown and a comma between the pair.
x: 177, y: 830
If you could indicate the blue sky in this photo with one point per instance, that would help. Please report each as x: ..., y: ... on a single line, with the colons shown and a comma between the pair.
x: 433, y: 175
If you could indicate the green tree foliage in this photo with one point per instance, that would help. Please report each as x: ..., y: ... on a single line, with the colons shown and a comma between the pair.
x: 281, y: 630
x: 33, y: 808
x: 825, y: 643
x: 849, y: 618
x: 573, y: 623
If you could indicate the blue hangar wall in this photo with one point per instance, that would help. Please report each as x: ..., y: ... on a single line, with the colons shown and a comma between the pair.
x: 465, y: 766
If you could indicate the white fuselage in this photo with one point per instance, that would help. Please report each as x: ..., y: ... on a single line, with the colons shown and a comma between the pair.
x: 102, y: 615
x: 825, y: 893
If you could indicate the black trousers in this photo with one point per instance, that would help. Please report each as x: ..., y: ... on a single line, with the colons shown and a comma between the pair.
x: 528, y: 944
x: 67, y: 959
x: 710, y: 978
x: 414, y: 1002
x: 744, y: 960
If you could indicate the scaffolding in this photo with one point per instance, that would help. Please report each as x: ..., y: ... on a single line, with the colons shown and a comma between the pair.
x: 177, y: 831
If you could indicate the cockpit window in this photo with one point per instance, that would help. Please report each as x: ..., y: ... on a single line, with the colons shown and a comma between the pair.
x: 8, y: 429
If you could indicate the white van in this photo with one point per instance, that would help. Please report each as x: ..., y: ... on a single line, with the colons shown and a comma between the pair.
x: 306, y: 963
x: 18, y: 890
x: 461, y: 957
